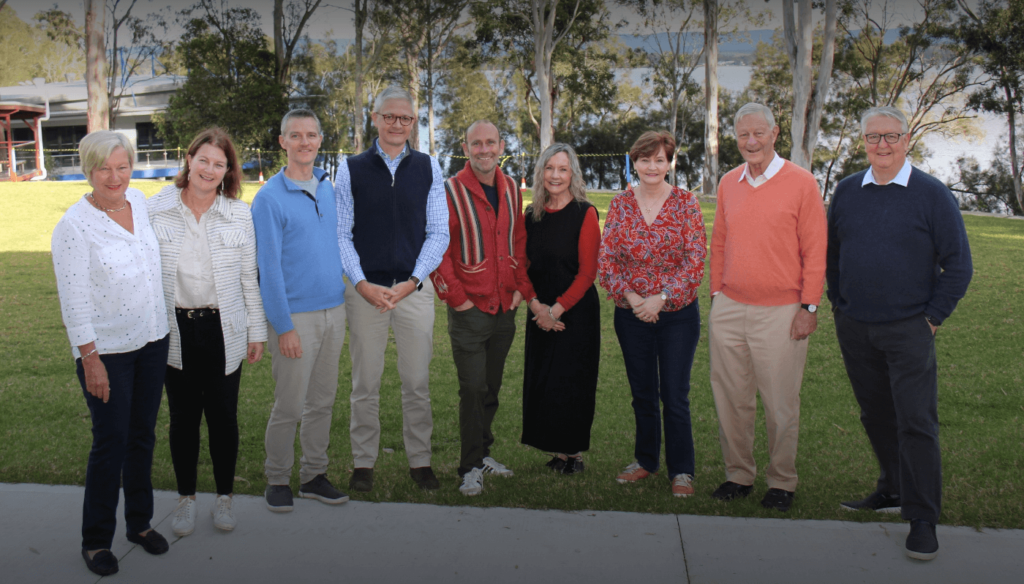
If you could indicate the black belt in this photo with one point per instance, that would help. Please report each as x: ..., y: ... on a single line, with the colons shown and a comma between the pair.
x: 196, y: 313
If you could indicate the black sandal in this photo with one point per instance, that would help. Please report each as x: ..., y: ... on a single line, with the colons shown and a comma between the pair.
x: 573, y: 465
x: 104, y: 563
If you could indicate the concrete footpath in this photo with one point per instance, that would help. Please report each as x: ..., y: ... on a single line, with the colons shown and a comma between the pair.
x: 413, y: 543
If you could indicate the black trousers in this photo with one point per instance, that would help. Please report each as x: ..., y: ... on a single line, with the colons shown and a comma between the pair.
x: 199, y: 387
x: 894, y: 374
x: 480, y: 343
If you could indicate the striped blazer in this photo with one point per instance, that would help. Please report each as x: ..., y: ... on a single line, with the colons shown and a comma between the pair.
x: 232, y: 242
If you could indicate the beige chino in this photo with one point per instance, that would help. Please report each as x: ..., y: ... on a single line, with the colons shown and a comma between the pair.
x: 752, y: 352
x: 413, y: 323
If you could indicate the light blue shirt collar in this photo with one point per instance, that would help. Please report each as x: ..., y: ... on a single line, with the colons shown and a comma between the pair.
x: 901, y: 178
x: 387, y: 159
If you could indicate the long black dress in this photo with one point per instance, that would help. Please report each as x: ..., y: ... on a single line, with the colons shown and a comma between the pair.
x: 560, y: 381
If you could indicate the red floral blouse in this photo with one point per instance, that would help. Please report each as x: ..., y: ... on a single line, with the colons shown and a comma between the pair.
x: 666, y: 256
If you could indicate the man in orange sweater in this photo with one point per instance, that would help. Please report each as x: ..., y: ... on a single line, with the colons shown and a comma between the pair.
x: 767, y: 276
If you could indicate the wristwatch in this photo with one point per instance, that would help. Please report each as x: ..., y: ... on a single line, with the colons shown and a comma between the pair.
x: 415, y: 280
x: 664, y: 296
x: 932, y: 320
x: 812, y: 308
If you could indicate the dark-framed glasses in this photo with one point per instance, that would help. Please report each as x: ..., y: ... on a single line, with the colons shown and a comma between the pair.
x: 890, y: 138
x: 392, y: 118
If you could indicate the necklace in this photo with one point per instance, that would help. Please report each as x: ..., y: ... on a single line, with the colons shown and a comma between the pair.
x: 649, y: 208
x: 124, y: 203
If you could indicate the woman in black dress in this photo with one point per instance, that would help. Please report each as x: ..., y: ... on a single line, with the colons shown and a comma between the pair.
x: 564, y: 338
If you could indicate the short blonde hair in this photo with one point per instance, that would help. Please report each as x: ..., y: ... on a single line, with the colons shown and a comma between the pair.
x: 97, y: 147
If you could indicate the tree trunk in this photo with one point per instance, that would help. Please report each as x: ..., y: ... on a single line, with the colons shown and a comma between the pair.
x: 1015, y: 169
x: 808, y: 97
x: 360, y: 9
x: 279, y: 48
x: 711, y: 97
x: 543, y: 31
x: 97, y: 112
x: 412, y: 62
x: 430, y: 108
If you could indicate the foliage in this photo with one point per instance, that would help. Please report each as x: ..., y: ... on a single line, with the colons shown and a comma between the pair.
x: 231, y: 81
x: 20, y: 51
x: 323, y: 77
x: 989, y: 190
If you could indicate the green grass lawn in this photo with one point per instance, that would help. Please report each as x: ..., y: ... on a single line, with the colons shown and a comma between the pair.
x: 45, y: 424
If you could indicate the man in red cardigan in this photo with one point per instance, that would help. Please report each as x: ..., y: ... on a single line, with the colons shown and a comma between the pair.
x: 482, y: 278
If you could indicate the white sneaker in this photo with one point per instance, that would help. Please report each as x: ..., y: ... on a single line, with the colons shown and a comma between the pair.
x: 492, y: 466
x: 184, y: 520
x: 472, y: 482
x: 222, y: 516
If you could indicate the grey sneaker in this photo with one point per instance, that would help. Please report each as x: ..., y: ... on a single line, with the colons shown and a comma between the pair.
x: 322, y: 490
x: 279, y: 498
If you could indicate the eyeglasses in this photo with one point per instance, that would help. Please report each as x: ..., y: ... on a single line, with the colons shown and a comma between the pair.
x: 890, y: 138
x: 392, y: 118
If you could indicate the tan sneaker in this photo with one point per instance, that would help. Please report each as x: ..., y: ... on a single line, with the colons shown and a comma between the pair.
x: 681, y: 485
x: 633, y: 473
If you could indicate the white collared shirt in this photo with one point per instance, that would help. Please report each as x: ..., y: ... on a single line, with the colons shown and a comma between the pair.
x: 193, y: 283
x: 901, y: 178
x: 773, y: 168
x: 108, y: 279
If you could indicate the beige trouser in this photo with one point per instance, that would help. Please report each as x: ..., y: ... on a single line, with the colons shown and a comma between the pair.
x: 413, y: 322
x: 304, y: 391
x: 752, y: 352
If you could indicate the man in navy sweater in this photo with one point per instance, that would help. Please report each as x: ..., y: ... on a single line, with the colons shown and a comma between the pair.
x: 392, y: 233
x: 898, y: 262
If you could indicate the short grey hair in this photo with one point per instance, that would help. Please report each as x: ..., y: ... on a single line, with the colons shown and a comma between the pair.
x: 393, y: 92
x: 753, y: 108
x: 300, y: 113
x: 887, y: 112
x: 96, y: 147
x: 481, y: 121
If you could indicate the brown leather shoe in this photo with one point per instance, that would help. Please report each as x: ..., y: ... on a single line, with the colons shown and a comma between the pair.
x: 424, y: 477
x: 362, y: 480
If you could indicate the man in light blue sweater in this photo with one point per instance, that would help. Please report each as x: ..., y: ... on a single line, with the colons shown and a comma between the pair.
x: 303, y: 296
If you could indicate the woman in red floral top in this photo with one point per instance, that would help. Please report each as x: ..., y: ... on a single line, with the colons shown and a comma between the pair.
x: 651, y: 263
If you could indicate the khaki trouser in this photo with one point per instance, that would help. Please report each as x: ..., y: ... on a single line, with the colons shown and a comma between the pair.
x: 305, y: 390
x: 413, y: 323
x: 751, y: 353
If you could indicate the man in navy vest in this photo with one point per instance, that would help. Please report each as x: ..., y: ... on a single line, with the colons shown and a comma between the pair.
x: 392, y: 232
x: 482, y: 279
x: 898, y: 262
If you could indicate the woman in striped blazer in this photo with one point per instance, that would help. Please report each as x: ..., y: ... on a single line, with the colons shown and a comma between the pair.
x: 208, y: 253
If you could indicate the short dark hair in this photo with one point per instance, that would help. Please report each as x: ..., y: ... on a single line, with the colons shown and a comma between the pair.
x: 650, y: 142
x: 215, y: 137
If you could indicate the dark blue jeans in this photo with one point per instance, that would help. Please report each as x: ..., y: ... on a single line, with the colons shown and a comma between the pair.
x: 122, y: 443
x: 658, y: 358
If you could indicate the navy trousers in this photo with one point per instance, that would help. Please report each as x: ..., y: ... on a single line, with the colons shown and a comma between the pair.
x: 122, y: 443
x: 658, y: 358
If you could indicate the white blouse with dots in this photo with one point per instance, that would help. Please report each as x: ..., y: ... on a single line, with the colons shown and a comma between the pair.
x: 109, y: 280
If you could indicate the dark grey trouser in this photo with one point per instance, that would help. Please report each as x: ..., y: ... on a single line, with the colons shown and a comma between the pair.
x: 893, y: 371
x: 480, y: 343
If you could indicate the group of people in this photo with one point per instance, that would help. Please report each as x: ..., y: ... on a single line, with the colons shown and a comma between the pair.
x: 181, y: 289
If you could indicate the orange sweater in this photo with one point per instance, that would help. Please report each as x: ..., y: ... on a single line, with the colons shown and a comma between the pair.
x: 768, y: 244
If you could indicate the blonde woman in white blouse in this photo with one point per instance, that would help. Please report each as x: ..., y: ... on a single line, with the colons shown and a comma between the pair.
x: 215, y: 313
x: 107, y: 263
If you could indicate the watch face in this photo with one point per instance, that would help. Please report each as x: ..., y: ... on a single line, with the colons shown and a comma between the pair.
x: 812, y: 309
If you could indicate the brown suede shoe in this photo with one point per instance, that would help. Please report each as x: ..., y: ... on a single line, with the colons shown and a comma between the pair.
x: 362, y: 480
x: 424, y: 477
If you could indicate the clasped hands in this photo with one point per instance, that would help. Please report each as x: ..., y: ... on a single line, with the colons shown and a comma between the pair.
x: 383, y: 298
x: 645, y: 309
x: 547, y: 317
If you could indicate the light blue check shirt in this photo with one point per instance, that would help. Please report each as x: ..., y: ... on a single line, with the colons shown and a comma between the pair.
x: 434, y: 245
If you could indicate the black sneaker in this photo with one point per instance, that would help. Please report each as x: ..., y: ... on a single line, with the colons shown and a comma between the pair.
x: 573, y: 465
x: 879, y: 502
x: 777, y: 499
x: 279, y: 498
x: 362, y: 480
x: 922, y: 543
x: 425, y: 478
x: 729, y: 490
x: 322, y: 490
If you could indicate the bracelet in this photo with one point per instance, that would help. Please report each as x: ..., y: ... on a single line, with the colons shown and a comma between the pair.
x: 551, y: 314
x: 94, y: 349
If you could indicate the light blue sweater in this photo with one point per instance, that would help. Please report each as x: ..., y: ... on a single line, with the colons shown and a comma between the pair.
x: 297, y: 249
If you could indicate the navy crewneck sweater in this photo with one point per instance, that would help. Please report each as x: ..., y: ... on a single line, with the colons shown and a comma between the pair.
x: 895, y: 252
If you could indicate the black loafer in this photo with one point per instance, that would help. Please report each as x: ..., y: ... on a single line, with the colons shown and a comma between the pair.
x: 777, y: 499
x: 556, y: 464
x: 104, y: 563
x: 729, y: 490
x: 362, y: 480
x: 425, y: 478
x: 153, y: 542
